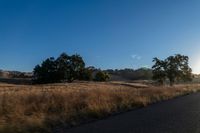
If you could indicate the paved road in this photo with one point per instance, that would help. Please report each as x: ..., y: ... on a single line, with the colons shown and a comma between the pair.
x: 181, y: 115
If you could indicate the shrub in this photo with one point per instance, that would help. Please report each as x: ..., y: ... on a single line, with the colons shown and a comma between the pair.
x: 86, y: 74
x: 101, y: 76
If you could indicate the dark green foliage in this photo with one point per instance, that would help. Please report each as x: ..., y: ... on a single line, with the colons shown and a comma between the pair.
x: 63, y: 62
x: 101, y: 76
x: 46, y: 72
x: 158, y: 71
x: 174, y: 68
x: 86, y: 74
x: 76, y: 66
x: 131, y: 74
x: 64, y: 68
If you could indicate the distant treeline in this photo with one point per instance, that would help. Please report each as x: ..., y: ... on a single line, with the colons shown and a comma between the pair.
x: 130, y: 74
x: 67, y: 68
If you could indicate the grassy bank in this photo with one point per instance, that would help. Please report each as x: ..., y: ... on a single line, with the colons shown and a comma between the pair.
x: 44, y: 108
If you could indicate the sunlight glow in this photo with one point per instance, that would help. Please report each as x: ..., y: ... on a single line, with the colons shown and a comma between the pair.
x: 196, y: 67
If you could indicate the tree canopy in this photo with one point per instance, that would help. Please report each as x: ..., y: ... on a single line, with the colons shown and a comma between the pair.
x: 174, y: 68
x: 101, y: 76
x: 66, y: 68
x: 63, y: 68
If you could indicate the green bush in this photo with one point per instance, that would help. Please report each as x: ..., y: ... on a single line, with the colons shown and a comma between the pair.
x: 86, y: 74
x: 102, y: 76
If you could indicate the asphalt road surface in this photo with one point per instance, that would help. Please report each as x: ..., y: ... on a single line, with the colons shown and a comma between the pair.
x: 180, y: 115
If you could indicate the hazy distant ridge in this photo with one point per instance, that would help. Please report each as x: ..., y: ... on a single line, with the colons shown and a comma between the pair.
x: 15, y: 74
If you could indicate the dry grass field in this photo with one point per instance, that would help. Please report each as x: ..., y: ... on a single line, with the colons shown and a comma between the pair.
x: 45, y: 108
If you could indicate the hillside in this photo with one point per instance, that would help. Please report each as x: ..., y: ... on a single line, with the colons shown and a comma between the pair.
x: 14, y: 74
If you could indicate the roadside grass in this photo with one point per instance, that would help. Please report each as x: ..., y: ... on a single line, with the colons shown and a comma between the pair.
x: 46, y: 108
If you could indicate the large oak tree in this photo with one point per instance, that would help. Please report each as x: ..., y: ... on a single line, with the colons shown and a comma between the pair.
x: 174, y: 68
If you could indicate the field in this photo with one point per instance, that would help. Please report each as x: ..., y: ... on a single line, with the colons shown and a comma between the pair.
x: 49, y: 108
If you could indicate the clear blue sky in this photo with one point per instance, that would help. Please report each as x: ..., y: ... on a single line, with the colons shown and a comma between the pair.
x: 107, y: 33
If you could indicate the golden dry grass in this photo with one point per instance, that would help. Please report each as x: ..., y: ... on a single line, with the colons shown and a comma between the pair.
x: 43, y: 108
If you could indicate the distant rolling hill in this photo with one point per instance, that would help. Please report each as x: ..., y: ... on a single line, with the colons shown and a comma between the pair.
x: 15, y: 74
x: 15, y: 77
